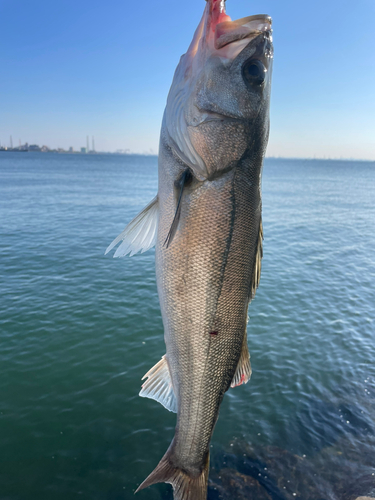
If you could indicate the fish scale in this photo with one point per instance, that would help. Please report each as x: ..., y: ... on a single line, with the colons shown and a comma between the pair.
x: 209, y: 268
x: 205, y: 223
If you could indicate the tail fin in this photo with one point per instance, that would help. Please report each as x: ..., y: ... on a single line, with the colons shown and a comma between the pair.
x: 185, y: 486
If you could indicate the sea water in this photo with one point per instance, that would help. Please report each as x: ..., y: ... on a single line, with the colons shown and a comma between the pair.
x: 79, y: 329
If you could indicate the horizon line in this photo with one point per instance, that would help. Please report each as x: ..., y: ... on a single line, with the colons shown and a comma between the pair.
x: 133, y: 153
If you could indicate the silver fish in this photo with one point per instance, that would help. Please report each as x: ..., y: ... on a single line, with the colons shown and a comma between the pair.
x: 206, y: 224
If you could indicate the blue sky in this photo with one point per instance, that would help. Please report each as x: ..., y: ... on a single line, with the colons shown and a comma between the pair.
x: 69, y: 69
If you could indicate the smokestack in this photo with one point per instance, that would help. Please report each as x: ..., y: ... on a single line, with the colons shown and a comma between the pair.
x: 93, y: 143
x: 87, y: 144
x: 11, y: 142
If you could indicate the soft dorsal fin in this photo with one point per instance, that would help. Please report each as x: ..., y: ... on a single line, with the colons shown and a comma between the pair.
x: 257, y: 262
x: 159, y: 386
x: 140, y: 234
x: 243, y: 371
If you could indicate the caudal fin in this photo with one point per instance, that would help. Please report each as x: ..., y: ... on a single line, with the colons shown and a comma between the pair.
x: 185, y: 486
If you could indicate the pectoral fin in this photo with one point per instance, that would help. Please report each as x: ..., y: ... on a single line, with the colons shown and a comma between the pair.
x: 158, y: 385
x: 243, y: 371
x: 184, y: 180
x: 140, y: 234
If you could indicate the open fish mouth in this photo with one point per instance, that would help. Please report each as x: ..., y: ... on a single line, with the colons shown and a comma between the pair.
x: 247, y: 27
x: 219, y: 28
x: 224, y: 36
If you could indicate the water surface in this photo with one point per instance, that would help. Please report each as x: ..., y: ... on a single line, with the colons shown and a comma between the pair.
x: 78, y: 331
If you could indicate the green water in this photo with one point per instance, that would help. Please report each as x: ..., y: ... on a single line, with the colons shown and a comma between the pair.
x: 78, y: 331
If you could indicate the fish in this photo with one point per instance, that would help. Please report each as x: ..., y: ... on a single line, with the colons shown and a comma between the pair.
x: 206, y: 225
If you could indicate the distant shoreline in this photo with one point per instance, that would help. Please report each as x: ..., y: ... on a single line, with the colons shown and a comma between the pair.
x: 90, y: 153
x: 95, y: 153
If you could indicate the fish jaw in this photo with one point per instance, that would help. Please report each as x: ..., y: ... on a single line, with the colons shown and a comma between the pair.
x: 219, y: 45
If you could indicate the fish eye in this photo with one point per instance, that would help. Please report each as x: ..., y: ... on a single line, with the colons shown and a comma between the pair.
x: 254, y: 72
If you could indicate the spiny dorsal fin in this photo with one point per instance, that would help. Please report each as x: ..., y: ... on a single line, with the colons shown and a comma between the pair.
x: 243, y: 371
x: 158, y: 385
x: 140, y: 234
x: 257, y: 262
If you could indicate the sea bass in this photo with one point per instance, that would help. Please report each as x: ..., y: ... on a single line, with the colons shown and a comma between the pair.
x: 206, y: 224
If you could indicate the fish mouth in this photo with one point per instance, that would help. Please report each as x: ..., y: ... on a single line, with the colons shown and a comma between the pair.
x: 217, y: 31
x: 247, y: 27
x: 258, y: 17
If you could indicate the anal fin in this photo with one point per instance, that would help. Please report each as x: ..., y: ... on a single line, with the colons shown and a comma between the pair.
x: 243, y: 371
x: 159, y: 386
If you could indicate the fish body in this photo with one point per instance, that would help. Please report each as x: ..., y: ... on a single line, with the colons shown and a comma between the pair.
x: 206, y: 225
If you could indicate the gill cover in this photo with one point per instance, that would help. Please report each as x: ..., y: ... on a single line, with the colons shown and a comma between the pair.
x: 217, y: 36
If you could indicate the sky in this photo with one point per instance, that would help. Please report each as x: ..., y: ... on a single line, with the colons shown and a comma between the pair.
x: 71, y: 69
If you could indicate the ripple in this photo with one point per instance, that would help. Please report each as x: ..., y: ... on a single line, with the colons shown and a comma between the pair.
x: 79, y: 330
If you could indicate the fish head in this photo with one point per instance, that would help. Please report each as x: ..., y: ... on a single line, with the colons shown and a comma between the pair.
x: 220, y: 93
